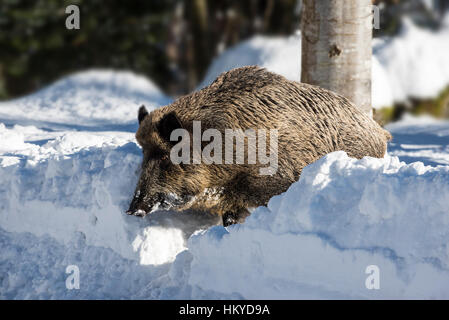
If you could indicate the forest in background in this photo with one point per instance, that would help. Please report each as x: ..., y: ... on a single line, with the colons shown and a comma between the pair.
x: 170, y: 41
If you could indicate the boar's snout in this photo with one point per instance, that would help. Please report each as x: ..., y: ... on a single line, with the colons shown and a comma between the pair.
x: 137, y: 210
x: 142, y: 204
x: 138, y: 207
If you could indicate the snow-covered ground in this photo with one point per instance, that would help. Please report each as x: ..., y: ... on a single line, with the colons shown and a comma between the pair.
x: 68, y: 168
x: 90, y: 100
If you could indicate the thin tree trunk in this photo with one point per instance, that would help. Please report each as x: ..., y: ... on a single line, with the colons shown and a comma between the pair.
x: 336, y: 48
x: 197, y: 14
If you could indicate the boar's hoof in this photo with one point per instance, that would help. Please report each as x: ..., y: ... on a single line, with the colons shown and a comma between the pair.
x: 138, y: 213
x: 230, y: 218
x: 233, y: 217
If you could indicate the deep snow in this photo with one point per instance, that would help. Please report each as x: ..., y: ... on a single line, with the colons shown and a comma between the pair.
x: 68, y: 167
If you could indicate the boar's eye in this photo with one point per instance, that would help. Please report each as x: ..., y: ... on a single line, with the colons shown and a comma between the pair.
x: 167, y: 124
x: 165, y: 162
x: 156, y: 153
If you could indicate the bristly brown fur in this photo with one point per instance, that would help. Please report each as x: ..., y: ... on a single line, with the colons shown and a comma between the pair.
x: 311, y: 122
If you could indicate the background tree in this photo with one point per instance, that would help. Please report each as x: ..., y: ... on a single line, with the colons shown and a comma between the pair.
x: 171, y: 41
x: 36, y: 48
x: 336, y: 48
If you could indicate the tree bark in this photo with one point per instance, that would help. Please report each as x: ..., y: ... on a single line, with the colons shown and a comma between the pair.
x: 336, y: 48
x: 197, y: 11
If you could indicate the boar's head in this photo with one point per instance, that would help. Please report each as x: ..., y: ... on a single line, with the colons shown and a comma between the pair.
x: 162, y: 184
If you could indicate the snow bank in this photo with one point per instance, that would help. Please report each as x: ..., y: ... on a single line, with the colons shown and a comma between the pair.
x: 90, y: 98
x: 317, y: 239
x: 412, y: 64
x: 62, y: 202
x: 81, y: 182
x: 63, y: 195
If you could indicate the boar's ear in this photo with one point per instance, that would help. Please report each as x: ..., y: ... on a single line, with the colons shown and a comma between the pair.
x: 167, y: 124
x: 142, y: 113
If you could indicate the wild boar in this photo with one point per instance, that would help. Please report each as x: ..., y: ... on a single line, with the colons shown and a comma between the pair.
x: 306, y: 121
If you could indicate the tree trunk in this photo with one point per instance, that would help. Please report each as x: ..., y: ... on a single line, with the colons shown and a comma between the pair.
x: 198, y: 44
x: 336, y: 48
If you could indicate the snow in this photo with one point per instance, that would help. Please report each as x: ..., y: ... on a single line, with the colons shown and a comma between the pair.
x: 69, y: 165
x: 420, y: 139
x: 88, y: 99
x: 316, y: 239
x: 415, y: 62
x: 412, y: 64
x: 277, y: 54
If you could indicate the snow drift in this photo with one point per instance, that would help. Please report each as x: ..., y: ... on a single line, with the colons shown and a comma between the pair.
x: 317, y: 239
x: 313, y: 241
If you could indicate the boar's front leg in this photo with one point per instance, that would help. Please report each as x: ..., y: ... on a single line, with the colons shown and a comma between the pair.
x: 233, y: 217
x: 246, y: 191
